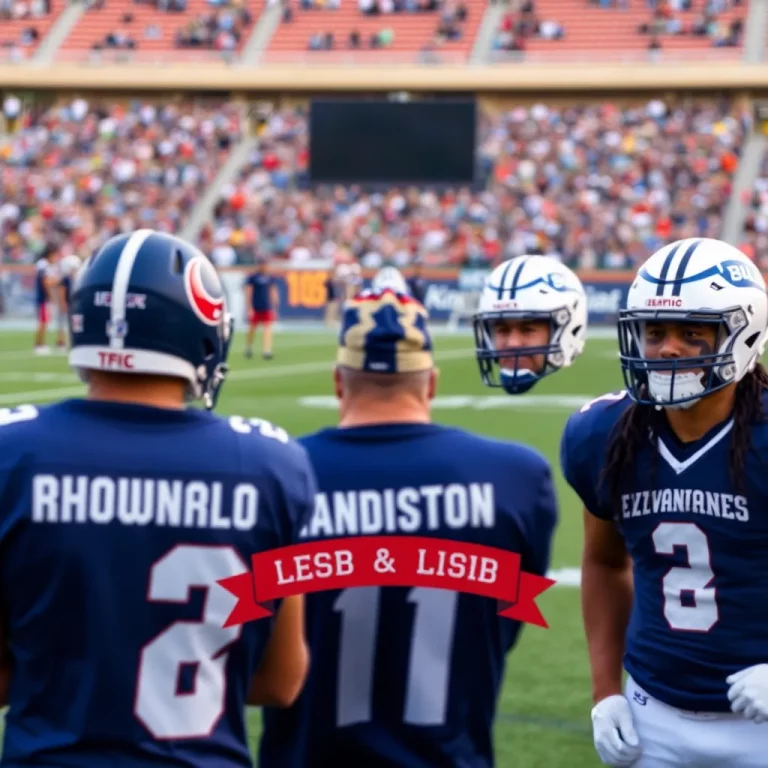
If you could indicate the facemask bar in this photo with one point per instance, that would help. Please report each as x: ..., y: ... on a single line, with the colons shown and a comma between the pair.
x: 490, y: 360
x: 217, y: 376
x: 716, y: 369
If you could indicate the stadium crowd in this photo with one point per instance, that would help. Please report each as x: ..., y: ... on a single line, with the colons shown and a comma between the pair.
x: 601, y: 185
x: 756, y: 224
x: 77, y: 173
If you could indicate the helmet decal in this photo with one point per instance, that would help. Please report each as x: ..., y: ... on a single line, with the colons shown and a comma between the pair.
x: 201, y: 284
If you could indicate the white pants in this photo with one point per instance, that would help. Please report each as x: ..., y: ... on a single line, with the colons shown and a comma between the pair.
x: 674, y: 738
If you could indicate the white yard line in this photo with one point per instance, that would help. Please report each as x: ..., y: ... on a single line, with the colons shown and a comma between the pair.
x: 268, y: 371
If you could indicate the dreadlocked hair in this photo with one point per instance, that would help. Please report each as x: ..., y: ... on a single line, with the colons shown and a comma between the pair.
x: 641, y: 422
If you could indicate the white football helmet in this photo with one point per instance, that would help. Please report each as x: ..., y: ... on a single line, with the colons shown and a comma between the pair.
x: 702, y: 281
x: 389, y: 278
x: 69, y: 265
x: 529, y: 288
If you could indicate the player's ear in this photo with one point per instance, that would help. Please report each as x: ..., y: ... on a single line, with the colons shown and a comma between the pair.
x: 434, y: 374
x: 337, y: 383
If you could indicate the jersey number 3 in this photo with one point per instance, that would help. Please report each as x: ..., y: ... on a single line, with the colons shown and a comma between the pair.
x: 429, y: 665
x: 199, y: 645
x: 690, y: 603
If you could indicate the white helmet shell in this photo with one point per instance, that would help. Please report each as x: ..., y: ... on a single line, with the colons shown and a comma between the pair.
x: 389, y: 278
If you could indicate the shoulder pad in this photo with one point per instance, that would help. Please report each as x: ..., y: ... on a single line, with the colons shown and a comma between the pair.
x: 598, y: 416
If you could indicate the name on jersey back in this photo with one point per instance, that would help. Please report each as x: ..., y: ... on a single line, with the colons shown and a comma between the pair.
x: 143, y: 501
x: 402, y: 510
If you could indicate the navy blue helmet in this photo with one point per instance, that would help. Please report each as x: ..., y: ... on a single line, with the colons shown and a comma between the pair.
x: 148, y: 302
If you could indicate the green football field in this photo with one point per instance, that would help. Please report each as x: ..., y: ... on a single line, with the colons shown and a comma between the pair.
x: 544, y: 709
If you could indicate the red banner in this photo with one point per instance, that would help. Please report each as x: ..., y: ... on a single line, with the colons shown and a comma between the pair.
x: 387, y: 561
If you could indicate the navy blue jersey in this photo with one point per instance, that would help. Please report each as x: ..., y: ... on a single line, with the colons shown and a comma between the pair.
x: 418, y: 288
x: 261, y: 291
x: 116, y: 522
x: 410, y: 677
x: 698, y: 546
x: 43, y: 270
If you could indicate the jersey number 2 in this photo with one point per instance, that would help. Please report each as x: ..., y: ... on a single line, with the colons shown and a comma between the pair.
x: 700, y: 613
x: 429, y: 665
x: 199, y: 645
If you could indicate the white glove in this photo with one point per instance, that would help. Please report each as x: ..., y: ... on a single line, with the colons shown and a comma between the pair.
x: 748, y: 693
x: 613, y: 731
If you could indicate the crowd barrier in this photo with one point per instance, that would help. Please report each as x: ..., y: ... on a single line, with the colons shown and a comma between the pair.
x: 303, y: 291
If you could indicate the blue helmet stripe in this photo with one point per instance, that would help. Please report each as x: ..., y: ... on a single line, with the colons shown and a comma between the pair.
x: 516, y: 278
x: 665, y: 269
x: 678, y: 285
x: 500, y: 289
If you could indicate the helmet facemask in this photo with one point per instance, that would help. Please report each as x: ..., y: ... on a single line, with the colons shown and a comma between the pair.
x: 679, y: 382
x: 501, y: 367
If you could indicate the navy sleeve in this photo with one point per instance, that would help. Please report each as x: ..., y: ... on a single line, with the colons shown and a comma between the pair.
x: 538, y: 540
x: 298, y: 492
x: 304, y: 504
x: 578, y: 465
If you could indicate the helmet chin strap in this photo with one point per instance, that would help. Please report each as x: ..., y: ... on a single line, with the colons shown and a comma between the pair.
x: 660, y: 387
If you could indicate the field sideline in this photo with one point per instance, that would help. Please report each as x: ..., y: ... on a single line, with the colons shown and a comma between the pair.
x: 545, y: 703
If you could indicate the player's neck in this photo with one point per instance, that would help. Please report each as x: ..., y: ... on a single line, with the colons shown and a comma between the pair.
x: 693, y: 423
x: 384, y: 414
x: 150, y: 391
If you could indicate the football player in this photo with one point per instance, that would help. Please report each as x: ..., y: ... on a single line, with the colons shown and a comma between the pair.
x: 262, y: 299
x: 120, y: 513
x: 45, y: 287
x: 417, y: 285
x: 406, y: 677
x: 672, y: 476
x: 531, y: 321
x: 68, y: 267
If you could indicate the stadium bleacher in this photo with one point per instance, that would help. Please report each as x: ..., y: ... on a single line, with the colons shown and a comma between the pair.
x: 600, y: 185
x: 78, y: 172
x: 24, y: 25
x: 619, y: 25
x: 407, y: 33
x: 154, y: 30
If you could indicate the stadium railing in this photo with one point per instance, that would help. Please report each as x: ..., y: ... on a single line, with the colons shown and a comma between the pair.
x: 316, y: 77
x: 701, y: 57
x: 451, y: 294
x: 121, y: 56
x: 344, y: 58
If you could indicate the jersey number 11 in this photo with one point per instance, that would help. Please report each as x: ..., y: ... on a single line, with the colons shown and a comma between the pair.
x: 426, y: 690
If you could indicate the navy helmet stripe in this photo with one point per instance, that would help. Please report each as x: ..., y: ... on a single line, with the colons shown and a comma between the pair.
x: 665, y: 269
x: 500, y: 289
x: 516, y: 278
x: 682, y: 267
